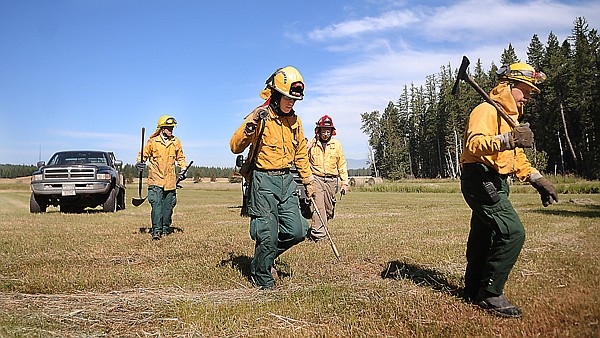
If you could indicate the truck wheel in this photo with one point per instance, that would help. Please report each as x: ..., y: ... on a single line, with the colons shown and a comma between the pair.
x: 121, y: 200
x: 111, y: 202
x: 36, y: 205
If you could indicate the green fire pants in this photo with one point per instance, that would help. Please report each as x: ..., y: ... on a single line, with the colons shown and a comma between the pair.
x: 276, y: 223
x: 162, y: 203
x: 497, y: 234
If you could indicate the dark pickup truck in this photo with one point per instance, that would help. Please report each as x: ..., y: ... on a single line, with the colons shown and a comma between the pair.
x: 75, y: 180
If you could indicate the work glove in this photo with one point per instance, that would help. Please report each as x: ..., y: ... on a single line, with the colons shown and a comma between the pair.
x: 344, y: 189
x: 140, y: 166
x: 310, y: 190
x: 182, y: 176
x: 547, y: 191
x: 520, y: 137
x: 251, y: 125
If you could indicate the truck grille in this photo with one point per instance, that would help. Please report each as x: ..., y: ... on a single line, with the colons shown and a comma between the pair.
x: 69, y: 173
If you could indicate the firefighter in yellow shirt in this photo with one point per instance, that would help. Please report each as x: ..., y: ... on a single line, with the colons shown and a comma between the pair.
x: 276, y: 139
x: 162, y: 150
x: 492, y: 152
x: 328, y: 165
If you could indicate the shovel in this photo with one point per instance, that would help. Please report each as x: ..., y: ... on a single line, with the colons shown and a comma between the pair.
x: 137, y: 201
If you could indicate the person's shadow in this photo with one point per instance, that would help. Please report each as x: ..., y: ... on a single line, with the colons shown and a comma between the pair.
x: 421, y: 276
x: 238, y: 262
x: 242, y: 264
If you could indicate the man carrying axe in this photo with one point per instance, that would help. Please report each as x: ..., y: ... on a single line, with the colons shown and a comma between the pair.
x: 162, y: 151
x: 274, y: 133
x: 493, y: 150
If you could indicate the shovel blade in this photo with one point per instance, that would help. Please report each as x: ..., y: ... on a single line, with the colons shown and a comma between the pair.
x: 137, y: 201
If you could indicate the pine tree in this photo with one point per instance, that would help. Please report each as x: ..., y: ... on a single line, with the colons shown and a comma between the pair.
x: 509, y: 56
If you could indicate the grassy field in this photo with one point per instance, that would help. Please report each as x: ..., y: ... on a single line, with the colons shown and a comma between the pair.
x: 95, y: 274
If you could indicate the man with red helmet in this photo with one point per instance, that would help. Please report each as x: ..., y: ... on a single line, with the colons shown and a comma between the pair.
x: 328, y: 165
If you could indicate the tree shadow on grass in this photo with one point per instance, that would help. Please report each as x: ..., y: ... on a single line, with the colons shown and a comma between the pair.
x: 421, y: 276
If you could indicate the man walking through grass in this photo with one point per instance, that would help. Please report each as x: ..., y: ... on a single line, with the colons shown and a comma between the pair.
x: 276, y: 139
x: 329, y: 167
x: 162, y: 150
x: 492, y: 152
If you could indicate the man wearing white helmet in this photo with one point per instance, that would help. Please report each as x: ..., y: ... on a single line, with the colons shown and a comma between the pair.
x: 162, y: 150
x: 328, y: 164
x: 276, y: 139
x: 492, y: 152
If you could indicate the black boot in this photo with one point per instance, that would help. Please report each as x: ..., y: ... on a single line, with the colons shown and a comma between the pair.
x: 498, y: 305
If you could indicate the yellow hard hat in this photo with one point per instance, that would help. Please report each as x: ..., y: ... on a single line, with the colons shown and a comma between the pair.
x: 288, y: 81
x: 521, y: 72
x: 166, y: 121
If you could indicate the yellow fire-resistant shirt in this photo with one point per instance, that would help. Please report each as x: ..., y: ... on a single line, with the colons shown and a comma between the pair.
x: 161, y: 156
x: 281, y: 146
x: 480, y: 144
x: 329, y: 161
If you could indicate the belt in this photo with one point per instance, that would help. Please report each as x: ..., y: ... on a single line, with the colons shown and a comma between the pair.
x: 482, y: 168
x: 327, y: 176
x: 274, y: 172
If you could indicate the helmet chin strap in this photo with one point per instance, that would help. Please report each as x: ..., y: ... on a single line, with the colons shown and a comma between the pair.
x: 275, y: 99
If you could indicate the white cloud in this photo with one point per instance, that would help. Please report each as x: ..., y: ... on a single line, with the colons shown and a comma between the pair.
x: 482, y: 20
x: 386, y: 21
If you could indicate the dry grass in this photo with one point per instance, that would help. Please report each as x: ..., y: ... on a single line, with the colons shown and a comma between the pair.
x: 95, y: 274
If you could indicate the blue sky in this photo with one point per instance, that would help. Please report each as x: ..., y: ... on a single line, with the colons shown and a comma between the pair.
x: 88, y: 74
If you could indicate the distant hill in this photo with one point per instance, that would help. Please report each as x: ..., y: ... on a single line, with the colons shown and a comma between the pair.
x: 356, y: 164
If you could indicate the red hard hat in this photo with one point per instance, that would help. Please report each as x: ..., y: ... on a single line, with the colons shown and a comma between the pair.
x: 325, y: 122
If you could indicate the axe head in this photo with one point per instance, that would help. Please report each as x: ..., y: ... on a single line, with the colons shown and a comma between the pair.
x: 462, y: 72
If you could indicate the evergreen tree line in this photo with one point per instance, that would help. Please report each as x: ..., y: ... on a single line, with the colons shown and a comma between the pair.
x: 130, y: 171
x: 16, y: 170
x: 421, y: 135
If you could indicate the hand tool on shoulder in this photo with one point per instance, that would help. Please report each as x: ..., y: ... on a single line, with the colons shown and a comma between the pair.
x: 462, y: 75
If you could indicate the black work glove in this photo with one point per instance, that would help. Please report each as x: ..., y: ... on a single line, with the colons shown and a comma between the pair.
x: 547, y: 191
x: 520, y: 137
x: 257, y: 115
x: 140, y: 166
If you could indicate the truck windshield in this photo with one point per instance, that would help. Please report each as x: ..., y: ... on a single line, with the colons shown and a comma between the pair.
x: 79, y: 157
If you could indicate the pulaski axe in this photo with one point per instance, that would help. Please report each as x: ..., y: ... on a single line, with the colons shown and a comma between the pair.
x: 184, y: 173
x: 137, y: 201
x: 462, y: 75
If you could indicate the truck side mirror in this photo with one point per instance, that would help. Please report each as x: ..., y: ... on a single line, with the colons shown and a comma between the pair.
x: 239, y: 161
x: 41, y: 164
x: 118, y: 163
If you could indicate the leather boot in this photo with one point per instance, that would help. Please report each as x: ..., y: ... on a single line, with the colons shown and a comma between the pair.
x: 498, y: 305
